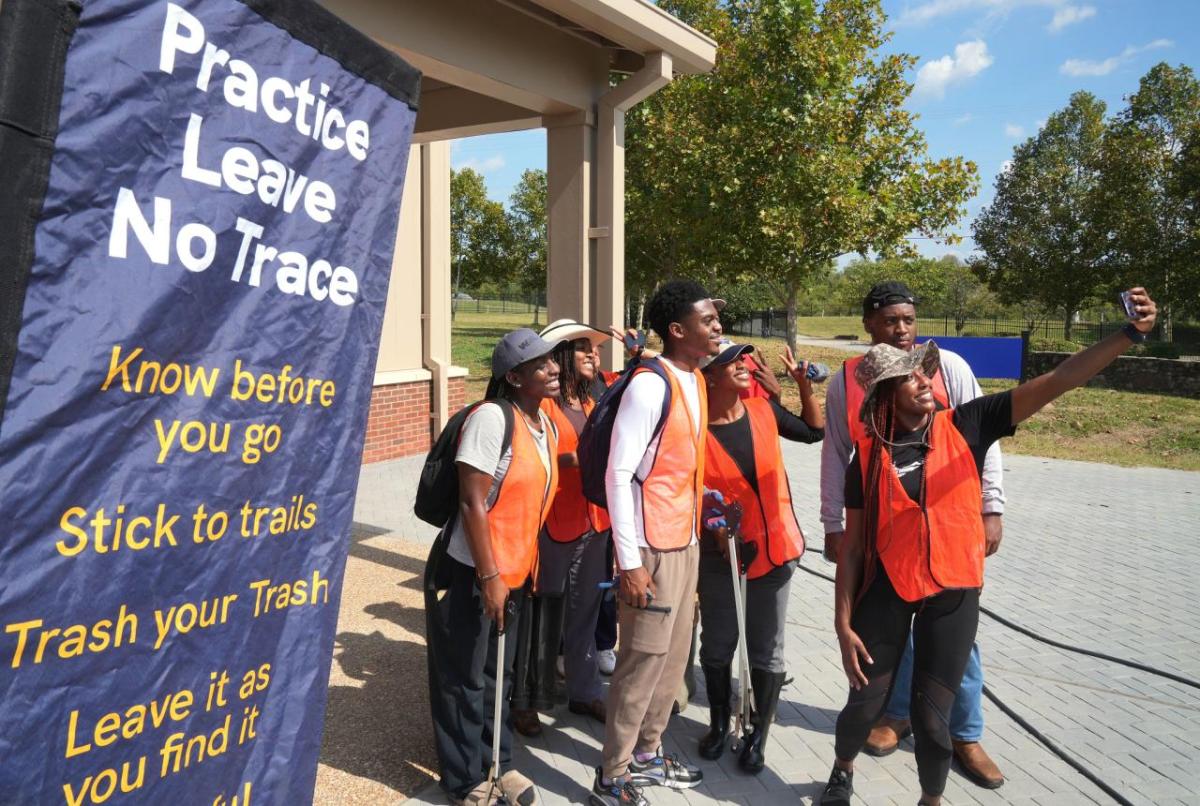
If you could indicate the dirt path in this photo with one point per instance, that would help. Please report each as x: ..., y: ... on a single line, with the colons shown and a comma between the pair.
x: 377, y: 747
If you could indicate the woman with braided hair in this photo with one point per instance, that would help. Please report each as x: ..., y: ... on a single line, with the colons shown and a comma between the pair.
x: 913, y: 550
x: 572, y: 553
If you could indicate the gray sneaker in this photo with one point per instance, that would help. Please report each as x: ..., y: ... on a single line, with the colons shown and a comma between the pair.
x: 619, y: 792
x: 666, y: 771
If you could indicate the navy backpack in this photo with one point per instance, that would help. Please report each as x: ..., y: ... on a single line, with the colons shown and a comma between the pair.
x: 596, y: 438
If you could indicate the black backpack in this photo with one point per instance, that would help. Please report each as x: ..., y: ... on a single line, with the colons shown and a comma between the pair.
x: 596, y: 438
x: 437, y: 491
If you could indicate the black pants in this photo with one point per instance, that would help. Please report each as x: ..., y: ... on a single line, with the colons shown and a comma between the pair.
x: 462, y: 678
x: 606, y: 623
x: 943, y: 629
x: 535, y: 673
x: 766, y: 614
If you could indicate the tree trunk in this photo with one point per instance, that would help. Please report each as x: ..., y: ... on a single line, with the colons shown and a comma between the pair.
x: 790, y: 325
x: 454, y: 294
x: 1067, y: 325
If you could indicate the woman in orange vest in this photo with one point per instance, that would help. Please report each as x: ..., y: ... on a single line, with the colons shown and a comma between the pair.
x: 912, y: 556
x: 571, y: 554
x: 743, y: 461
x: 505, y: 493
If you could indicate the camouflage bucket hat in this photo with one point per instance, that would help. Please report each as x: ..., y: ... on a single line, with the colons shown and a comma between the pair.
x: 883, y: 361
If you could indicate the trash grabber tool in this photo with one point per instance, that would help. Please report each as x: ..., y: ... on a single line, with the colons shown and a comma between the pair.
x: 510, y: 607
x: 742, y: 724
x: 607, y: 587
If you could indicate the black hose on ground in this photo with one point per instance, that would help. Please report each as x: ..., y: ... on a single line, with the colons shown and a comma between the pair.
x: 1049, y: 744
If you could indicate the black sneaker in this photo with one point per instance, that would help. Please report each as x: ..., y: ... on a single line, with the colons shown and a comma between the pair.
x: 666, y: 771
x: 621, y: 792
x: 839, y: 789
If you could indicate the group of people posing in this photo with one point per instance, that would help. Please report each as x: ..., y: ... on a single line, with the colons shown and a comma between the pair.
x: 697, y: 500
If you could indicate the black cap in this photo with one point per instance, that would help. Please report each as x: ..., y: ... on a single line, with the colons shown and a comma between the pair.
x: 889, y: 292
x: 729, y: 352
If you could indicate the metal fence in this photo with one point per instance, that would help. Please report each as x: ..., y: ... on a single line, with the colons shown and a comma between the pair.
x: 1185, y: 337
x: 507, y: 302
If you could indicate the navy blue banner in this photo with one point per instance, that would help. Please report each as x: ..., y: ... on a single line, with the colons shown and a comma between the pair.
x: 188, y: 395
x: 988, y: 357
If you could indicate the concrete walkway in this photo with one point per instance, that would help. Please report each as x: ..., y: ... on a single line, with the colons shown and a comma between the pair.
x: 1093, y: 554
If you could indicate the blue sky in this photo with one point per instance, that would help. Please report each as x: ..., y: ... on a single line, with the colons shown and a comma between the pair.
x: 988, y: 74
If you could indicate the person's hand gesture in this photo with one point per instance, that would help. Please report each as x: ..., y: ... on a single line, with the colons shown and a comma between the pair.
x: 853, y: 650
x: 635, y: 342
x: 1145, y: 307
x: 765, y: 377
x: 799, y: 372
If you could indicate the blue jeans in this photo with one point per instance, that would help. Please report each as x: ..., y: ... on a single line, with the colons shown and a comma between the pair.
x: 966, y: 717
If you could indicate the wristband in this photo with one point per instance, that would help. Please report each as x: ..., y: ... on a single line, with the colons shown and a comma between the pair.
x: 1136, y: 336
x: 486, y: 577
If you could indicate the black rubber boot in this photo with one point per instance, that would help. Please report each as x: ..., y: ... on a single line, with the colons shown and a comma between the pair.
x: 716, y: 680
x: 766, y: 686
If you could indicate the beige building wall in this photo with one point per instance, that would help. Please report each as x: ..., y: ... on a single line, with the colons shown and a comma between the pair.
x: 400, y: 345
x: 504, y: 65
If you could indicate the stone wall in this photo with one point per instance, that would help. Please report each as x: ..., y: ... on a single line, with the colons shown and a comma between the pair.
x: 399, y: 424
x: 1162, y: 376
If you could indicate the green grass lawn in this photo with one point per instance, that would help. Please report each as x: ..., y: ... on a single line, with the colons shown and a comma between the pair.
x: 1094, y: 425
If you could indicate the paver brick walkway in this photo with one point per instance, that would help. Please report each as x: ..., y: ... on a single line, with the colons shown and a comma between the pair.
x: 1096, y: 555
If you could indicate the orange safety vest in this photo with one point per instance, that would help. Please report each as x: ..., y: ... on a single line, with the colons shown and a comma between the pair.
x: 925, y: 552
x: 512, y: 522
x: 855, y: 396
x: 768, y: 519
x: 572, y: 515
x: 672, y: 490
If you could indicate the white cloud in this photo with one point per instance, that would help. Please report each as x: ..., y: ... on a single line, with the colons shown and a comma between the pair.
x: 962, y: 120
x: 1006, y: 166
x: 969, y: 59
x: 1088, y: 67
x: 1014, y: 131
x: 937, y: 8
x: 1066, y: 12
x: 932, y: 9
x: 1069, y: 15
x: 484, y: 166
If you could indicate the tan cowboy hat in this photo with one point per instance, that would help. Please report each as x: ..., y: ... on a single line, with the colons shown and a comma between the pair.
x: 569, y: 330
x: 884, y: 361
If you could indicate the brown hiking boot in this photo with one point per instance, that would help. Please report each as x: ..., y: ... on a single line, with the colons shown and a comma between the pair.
x: 526, y: 722
x: 977, y: 765
x: 886, y: 736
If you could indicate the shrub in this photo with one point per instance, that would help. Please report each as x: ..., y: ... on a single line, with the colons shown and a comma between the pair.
x: 1044, y: 345
x: 1157, y: 349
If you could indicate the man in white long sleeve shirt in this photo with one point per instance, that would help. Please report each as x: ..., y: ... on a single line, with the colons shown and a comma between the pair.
x: 889, y: 316
x: 654, y: 487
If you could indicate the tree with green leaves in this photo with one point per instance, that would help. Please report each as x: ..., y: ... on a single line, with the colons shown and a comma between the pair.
x: 1151, y: 203
x: 943, y: 286
x: 1042, y: 238
x: 481, y: 239
x: 527, y: 223
x: 796, y: 149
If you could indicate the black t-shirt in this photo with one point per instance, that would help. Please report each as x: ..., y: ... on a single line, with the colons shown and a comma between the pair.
x: 738, y: 442
x: 981, y: 422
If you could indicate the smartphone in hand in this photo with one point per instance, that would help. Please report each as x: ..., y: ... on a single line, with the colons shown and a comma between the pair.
x: 1127, y: 304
